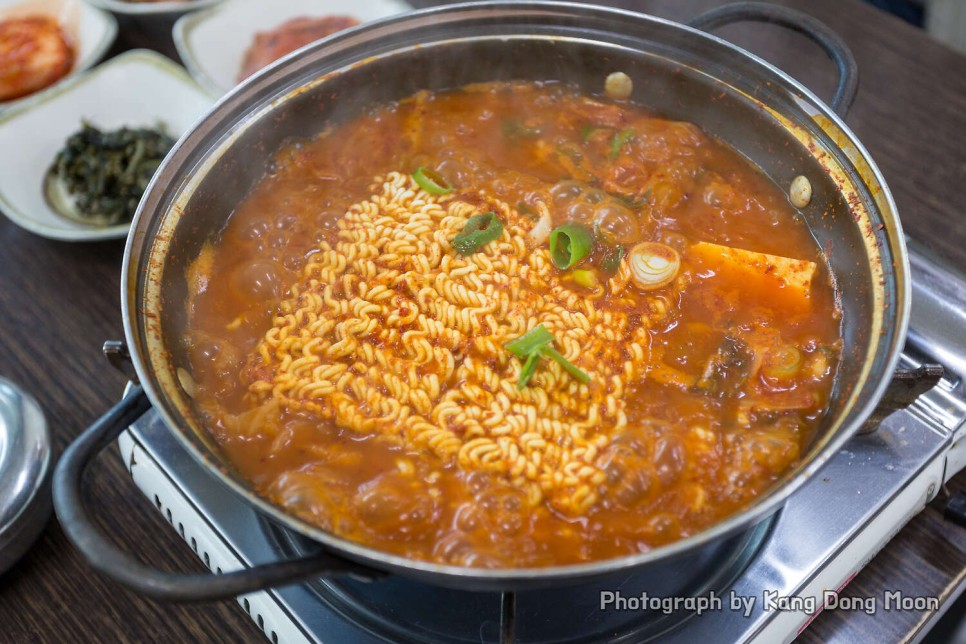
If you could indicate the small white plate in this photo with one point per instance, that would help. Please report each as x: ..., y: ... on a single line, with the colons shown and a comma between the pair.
x: 91, y: 30
x: 167, y: 8
x: 136, y: 89
x: 213, y: 43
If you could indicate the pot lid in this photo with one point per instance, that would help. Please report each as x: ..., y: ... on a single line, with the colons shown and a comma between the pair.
x: 25, y: 469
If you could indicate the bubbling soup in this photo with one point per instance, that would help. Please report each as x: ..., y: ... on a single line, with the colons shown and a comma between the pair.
x: 512, y: 325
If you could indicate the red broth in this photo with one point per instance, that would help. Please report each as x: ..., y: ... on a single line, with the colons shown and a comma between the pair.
x: 732, y: 374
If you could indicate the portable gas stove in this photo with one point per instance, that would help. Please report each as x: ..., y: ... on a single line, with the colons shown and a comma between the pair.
x: 826, y: 533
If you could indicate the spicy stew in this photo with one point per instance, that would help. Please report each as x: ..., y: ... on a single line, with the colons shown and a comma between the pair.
x: 512, y: 325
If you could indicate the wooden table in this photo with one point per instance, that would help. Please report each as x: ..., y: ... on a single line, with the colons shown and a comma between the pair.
x: 59, y: 302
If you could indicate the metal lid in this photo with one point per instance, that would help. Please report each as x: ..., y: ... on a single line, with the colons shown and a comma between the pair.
x: 25, y: 468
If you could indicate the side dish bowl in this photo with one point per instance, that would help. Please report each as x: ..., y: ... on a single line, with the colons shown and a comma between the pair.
x: 149, y: 24
x: 212, y: 43
x: 145, y: 89
x: 689, y: 75
x: 166, y: 8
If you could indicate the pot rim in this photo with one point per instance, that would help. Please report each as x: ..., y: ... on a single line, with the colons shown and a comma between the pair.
x: 763, y: 506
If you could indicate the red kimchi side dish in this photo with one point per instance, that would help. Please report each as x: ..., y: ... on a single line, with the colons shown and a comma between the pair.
x: 269, y: 46
x: 34, y: 54
x: 512, y: 325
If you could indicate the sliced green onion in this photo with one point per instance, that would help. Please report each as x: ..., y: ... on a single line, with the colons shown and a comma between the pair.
x: 512, y: 130
x: 530, y: 342
x: 477, y: 233
x: 535, y: 344
x: 570, y: 368
x: 588, y: 131
x: 431, y: 181
x: 571, y: 160
x: 585, y: 277
x: 783, y: 363
x: 619, y: 140
x: 612, y: 260
x: 635, y: 204
x: 529, y: 368
x: 569, y: 244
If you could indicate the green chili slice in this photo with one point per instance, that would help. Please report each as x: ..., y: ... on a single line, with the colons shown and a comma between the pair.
x: 568, y: 366
x: 619, y: 140
x: 612, y: 260
x: 477, y: 233
x: 431, y: 181
x: 530, y: 342
x: 569, y: 244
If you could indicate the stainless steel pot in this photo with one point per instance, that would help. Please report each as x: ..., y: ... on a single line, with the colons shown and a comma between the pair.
x: 680, y: 71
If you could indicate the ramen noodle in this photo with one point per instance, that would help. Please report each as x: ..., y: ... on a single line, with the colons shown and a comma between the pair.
x: 512, y: 325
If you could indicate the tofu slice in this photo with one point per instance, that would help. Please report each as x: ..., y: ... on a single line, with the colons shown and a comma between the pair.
x: 792, y: 278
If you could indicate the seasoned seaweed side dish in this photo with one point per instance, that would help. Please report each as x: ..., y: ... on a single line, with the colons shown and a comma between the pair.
x: 98, y: 177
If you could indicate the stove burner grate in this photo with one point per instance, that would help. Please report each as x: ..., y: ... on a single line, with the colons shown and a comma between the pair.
x: 398, y: 609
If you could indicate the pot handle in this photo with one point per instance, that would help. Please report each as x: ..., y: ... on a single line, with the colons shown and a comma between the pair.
x: 107, y: 559
x: 903, y: 390
x: 814, y: 29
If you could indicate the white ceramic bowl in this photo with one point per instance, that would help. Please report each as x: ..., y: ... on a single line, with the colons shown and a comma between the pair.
x: 166, y: 8
x: 136, y: 89
x: 213, y: 43
x: 91, y: 30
